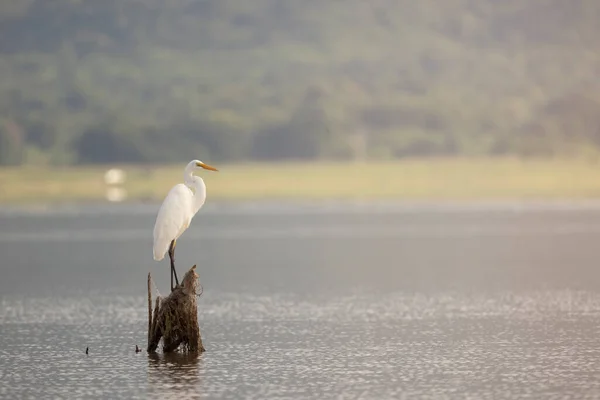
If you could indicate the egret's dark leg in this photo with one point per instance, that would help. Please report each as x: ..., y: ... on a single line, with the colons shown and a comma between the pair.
x: 173, y: 272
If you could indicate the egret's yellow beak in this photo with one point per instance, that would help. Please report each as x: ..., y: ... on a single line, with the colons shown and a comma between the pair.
x: 206, y: 166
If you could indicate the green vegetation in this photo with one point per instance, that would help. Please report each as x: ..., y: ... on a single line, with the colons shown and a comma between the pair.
x: 145, y: 81
x: 408, y: 179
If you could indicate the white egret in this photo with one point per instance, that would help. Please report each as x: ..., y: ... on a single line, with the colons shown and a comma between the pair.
x: 176, y: 212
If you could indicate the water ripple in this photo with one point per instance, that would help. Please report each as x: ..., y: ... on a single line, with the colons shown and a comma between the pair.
x: 364, y: 345
x: 365, y: 307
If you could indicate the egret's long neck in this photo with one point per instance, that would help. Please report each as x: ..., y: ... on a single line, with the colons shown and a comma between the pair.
x: 197, y: 185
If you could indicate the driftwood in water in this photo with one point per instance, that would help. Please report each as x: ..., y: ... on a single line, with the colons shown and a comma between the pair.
x: 175, y: 318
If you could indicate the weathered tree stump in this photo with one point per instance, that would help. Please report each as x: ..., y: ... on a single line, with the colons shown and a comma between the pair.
x: 175, y: 318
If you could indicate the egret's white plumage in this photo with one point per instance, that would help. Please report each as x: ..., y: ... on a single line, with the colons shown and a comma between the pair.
x: 177, y: 210
x: 174, y: 216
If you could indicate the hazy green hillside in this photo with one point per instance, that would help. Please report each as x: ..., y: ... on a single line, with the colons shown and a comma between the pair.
x: 155, y: 80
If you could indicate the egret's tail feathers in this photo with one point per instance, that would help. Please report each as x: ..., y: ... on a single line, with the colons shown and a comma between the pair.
x: 159, y: 252
x: 160, y: 246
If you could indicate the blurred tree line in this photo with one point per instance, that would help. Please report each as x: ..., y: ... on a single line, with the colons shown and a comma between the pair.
x: 89, y: 81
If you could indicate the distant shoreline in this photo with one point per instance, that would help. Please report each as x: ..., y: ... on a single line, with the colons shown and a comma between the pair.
x: 425, y: 180
x: 308, y: 207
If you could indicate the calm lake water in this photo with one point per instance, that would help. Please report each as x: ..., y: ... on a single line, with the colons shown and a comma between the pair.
x: 324, y: 301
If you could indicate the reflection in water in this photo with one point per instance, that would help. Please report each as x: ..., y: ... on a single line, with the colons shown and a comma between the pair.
x: 176, y: 373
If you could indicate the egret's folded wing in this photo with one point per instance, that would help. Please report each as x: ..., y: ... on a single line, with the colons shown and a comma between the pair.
x: 172, y: 216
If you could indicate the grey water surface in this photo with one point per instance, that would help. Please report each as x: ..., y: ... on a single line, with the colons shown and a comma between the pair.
x: 373, y: 301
